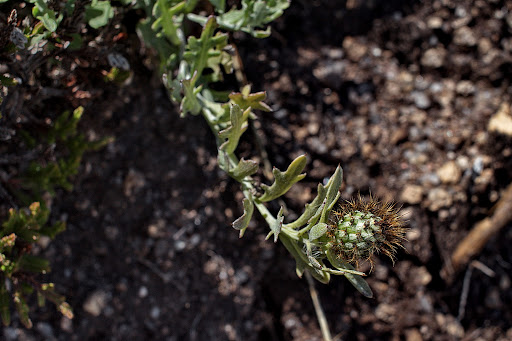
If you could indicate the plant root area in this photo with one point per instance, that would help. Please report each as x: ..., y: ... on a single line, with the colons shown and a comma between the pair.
x: 411, y: 98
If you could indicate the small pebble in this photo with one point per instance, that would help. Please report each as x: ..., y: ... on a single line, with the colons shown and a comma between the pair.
x: 143, y: 292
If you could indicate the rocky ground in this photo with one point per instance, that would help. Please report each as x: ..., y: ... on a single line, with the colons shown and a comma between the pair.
x: 411, y: 98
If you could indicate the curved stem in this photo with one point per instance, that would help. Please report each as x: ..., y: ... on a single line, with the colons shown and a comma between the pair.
x: 322, y: 321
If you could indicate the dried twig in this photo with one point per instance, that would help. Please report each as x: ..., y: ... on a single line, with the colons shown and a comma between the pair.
x: 483, y: 231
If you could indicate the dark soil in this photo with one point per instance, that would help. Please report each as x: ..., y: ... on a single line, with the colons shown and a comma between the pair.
x: 399, y: 93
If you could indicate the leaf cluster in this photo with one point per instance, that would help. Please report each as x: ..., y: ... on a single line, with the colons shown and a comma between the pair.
x: 40, y: 151
x: 17, y: 235
x: 183, y: 64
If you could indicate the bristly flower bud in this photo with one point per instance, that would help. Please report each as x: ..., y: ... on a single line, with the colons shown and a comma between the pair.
x: 359, y: 228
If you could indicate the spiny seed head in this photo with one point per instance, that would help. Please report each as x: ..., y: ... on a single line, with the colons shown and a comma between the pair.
x: 359, y: 228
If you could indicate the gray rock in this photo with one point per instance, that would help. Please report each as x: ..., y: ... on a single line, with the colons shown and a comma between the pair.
x: 420, y: 99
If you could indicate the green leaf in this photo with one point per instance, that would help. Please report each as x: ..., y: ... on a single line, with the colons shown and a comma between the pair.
x: 357, y: 281
x: 98, y: 13
x: 244, y: 168
x: 5, y: 312
x: 198, y: 51
x: 319, y: 275
x: 220, y: 5
x: 247, y: 100
x: 166, y: 50
x: 310, y: 209
x: 48, y: 17
x: 33, y: 264
x: 284, y: 180
x: 233, y: 133
x: 275, y: 227
x: 317, y: 231
x: 242, y: 222
x: 166, y: 20
x: 253, y: 14
x: 296, y: 252
x: 22, y: 308
x: 333, y: 193
x: 52, y: 231
x: 190, y: 102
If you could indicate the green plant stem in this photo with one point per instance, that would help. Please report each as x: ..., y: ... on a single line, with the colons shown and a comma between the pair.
x: 246, y: 183
x: 322, y: 321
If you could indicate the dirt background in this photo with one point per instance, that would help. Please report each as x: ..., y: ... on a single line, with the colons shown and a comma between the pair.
x: 399, y: 93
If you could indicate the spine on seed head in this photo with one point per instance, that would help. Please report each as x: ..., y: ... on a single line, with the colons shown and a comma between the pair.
x: 360, y: 228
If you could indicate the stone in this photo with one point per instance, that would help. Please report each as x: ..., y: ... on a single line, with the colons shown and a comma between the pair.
x: 465, y: 88
x: 413, y: 335
x: 96, y: 302
x: 438, y: 198
x: 449, y: 173
x: 420, y: 99
x: 355, y: 50
x: 501, y: 122
x: 464, y: 36
x: 434, y: 57
x: 412, y: 194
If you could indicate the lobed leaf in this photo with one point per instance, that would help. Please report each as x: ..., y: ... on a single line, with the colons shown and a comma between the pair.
x: 98, y: 13
x: 244, y: 168
x: 275, y: 227
x: 190, y: 102
x: 242, y: 222
x: 48, y: 17
x: 284, y: 180
x: 166, y: 23
x: 233, y: 133
x: 253, y: 14
x: 247, y: 100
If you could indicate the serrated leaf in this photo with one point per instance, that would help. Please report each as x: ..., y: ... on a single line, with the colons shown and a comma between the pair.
x: 246, y: 100
x: 190, y: 102
x: 284, y: 180
x: 317, y: 231
x: 198, y: 50
x: 244, y: 168
x: 165, y: 20
x: 357, y: 281
x: 333, y: 193
x: 233, y: 133
x: 276, y: 225
x: 98, y: 13
x: 253, y: 14
x: 242, y: 222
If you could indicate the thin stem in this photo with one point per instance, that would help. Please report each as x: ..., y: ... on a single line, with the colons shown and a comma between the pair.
x: 322, y: 321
